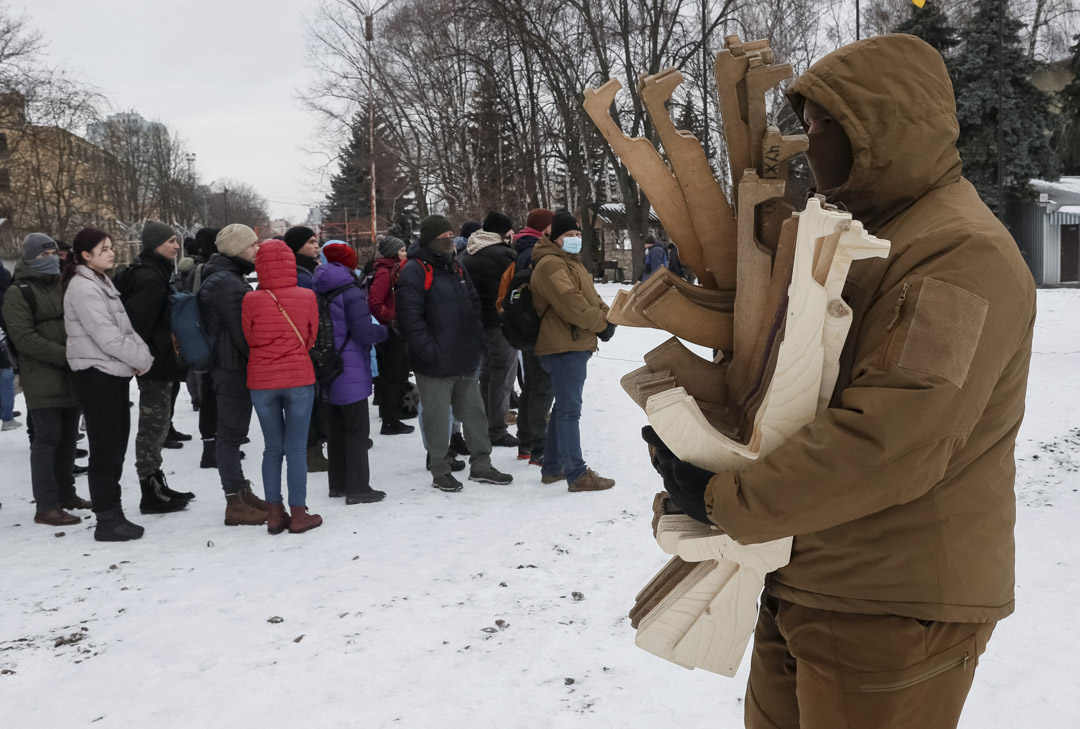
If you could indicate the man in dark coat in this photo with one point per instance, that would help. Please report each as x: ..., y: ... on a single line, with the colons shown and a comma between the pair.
x: 145, y: 287
x: 34, y: 315
x: 488, y: 255
x: 654, y: 258
x: 536, y: 393
x: 221, y: 300
x: 438, y: 313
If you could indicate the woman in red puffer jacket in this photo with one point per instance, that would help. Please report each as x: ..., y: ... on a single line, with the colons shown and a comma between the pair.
x: 281, y: 321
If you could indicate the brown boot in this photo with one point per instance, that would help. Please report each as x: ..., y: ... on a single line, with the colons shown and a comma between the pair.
x: 302, y: 521
x: 239, y: 513
x: 277, y: 519
x: 316, y: 461
x: 250, y: 498
x: 591, y: 481
x: 56, y: 517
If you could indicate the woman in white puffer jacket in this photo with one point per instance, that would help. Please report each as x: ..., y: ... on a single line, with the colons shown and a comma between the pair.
x: 104, y: 352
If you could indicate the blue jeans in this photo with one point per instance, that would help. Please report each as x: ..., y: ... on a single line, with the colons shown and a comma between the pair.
x: 563, y: 450
x: 7, y: 394
x: 284, y: 416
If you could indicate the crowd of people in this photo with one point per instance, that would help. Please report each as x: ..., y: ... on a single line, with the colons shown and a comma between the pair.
x: 304, y: 349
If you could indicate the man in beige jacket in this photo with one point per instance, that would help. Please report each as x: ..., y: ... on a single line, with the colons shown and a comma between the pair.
x: 900, y: 495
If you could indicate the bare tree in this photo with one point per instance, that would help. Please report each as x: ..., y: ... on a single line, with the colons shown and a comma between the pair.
x: 231, y: 201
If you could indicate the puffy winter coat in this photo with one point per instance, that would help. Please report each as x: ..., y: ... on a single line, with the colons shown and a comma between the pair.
x: 99, y: 332
x: 900, y: 494
x: 441, y: 324
x: 221, y: 301
x: 352, y: 319
x: 566, y: 299
x: 278, y: 353
x: 144, y: 288
x: 381, y: 295
x: 654, y: 261
x: 39, y: 336
x: 486, y: 259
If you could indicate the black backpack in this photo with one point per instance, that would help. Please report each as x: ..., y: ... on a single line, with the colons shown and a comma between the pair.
x: 520, y: 322
x: 325, y: 357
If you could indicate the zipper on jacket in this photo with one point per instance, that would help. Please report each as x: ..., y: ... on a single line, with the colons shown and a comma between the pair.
x: 898, y: 314
x: 880, y: 688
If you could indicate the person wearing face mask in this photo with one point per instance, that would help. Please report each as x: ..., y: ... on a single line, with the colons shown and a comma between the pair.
x: 145, y: 287
x: 487, y: 256
x: 573, y: 317
x: 105, y: 352
x: 34, y: 315
x: 900, y: 494
x: 438, y: 313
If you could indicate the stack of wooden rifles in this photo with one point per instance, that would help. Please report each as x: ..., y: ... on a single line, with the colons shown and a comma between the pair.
x: 768, y: 306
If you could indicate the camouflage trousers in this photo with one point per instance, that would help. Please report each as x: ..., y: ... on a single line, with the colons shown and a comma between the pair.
x: 155, y: 417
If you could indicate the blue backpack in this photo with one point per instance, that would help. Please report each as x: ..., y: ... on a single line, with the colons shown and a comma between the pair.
x: 194, y: 350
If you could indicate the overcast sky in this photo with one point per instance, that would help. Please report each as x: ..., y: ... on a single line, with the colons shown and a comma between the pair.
x: 224, y: 74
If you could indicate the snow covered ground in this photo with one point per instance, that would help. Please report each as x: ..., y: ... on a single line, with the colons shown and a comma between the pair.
x: 387, y: 616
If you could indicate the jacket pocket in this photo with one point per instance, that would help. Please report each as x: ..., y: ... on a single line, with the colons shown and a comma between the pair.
x: 953, y: 664
x: 894, y: 324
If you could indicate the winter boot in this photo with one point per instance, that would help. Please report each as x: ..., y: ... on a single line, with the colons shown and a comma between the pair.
x: 316, y: 461
x: 302, y: 521
x: 277, y: 519
x: 182, y: 495
x: 76, y: 503
x: 209, y: 453
x: 113, y: 526
x: 175, y: 434
x: 366, y: 497
x: 457, y: 444
x: 490, y: 475
x: 455, y: 463
x: 395, y: 427
x: 506, y: 441
x: 56, y: 518
x: 240, y: 513
x: 155, y: 500
x: 591, y: 481
x: 447, y: 483
x: 251, y: 499
x: 551, y: 477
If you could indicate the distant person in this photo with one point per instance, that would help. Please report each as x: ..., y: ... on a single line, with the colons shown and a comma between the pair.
x: 674, y: 264
x: 7, y: 371
x: 105, y: 352
x: 467, y: 229
x: 204, y: 239
x: 573, y: 317
x: 655, y: 259
x: 439, y: 315
x: 34, y: 314
x: 281, y: 321
x: 391, y: 353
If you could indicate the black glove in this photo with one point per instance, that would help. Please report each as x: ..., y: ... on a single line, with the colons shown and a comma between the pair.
x: 685, y: 482
x: 608, y: 333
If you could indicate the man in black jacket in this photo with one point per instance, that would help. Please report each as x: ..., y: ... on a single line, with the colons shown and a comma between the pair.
x: 221, y: 301
x: 438, y: 312
x: 487, y: 257
x: 145, y: 287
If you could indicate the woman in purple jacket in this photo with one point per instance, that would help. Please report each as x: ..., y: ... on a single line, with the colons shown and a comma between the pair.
x: 347, y: 412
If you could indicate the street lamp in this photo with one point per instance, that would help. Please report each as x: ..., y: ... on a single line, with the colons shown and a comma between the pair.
x: 369, y: 37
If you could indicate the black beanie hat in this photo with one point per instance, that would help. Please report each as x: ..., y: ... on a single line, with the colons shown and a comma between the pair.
x: 154, y: 234
x: 297, y: 236
x: 432, y: 227
x: 204, y: 239
x: 470, y: 227
x: 498, y: 223
x: 563, y: 222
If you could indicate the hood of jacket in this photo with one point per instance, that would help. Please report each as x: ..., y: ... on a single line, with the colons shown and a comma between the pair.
x: 894, y: 99
x: 526, y: 239
x: 482, y: 239
x: 275, y: 265
x: 330, y: 276
x: 229, y: 264
x: 387, y: 262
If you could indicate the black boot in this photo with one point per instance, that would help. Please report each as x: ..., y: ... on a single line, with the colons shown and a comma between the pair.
x: 209, y: 453
x: 455, y: 464
x: 175, y: 434
x: 154, y: 499
x: 183, y: 495
x: 113, y: 526
x: 457, y: 444
x: 396, y: 427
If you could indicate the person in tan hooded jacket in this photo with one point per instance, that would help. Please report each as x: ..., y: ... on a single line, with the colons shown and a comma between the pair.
x: 899, y: 495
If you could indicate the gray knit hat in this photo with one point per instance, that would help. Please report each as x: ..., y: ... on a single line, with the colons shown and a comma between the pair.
x: 389, y: 246
x: 154, y: 234
x: 35, y: 244
x: 233, y: 239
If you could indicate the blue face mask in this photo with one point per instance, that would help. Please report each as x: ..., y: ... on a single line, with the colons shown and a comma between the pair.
x: 571, y: 245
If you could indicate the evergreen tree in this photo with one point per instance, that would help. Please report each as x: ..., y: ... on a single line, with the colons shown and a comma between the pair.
x: 350, y: 188
x: 932, y: 25
x: 1067, y: 137
x: 1024, y: 110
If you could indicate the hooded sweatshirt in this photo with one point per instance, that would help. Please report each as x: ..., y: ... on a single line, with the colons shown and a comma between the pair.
x: 279, y: 333
x: 900, y: 494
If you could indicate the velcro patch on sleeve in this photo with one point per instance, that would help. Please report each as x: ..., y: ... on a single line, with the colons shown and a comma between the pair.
x: 945, y: 331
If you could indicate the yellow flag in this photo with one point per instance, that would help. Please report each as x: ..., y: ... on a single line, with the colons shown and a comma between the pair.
x: 919, y: 3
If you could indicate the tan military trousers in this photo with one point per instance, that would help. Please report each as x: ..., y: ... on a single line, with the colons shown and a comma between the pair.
x: 816, y: 669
